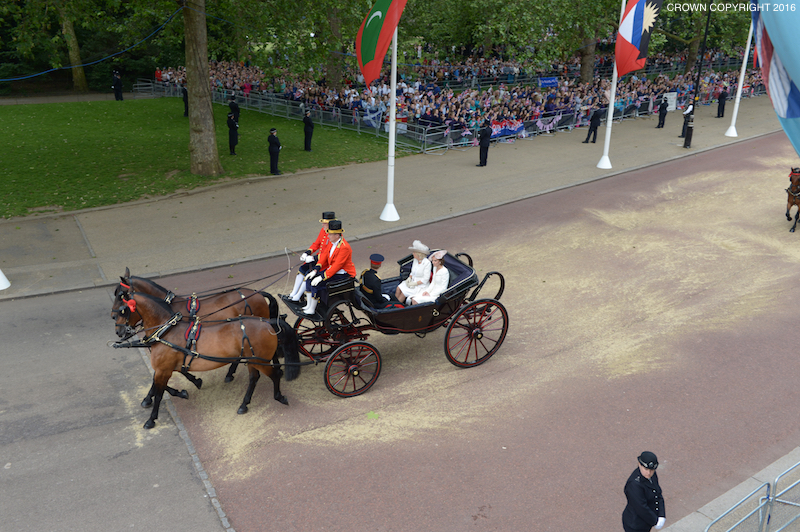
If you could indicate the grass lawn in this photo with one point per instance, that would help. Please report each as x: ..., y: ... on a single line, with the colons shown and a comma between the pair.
x: 70, y: 156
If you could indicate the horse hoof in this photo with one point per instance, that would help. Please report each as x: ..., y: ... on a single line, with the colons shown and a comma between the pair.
x: 147, y: 402
x: 228, y: 378
x: 149, y: 424
x: 198, y: 383
x: 242, y: 410
x: 282, y: 399
x: 183, y: 394
x: 791, y: 230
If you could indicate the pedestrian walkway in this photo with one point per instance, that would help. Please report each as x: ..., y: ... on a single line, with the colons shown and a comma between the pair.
x: 252, y: 219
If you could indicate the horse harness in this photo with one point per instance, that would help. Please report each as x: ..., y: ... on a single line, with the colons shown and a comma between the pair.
x: 794, y: 178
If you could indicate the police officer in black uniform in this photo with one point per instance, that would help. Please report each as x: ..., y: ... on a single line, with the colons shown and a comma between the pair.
x: 645, y: 507
x: 116, y: 84
x: 484, y: 138
x: 371, y: 283
x: 234, y: 107
x: 662, y: 113
x: 308, y: 129
x: 233, y: 133
x: 274, y: 150
x: 594, y: 123
x: 723, y: 97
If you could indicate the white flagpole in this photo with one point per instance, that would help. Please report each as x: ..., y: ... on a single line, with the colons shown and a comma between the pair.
x: 605, y: 162
x: 732, y: 130
x: 389, y: 213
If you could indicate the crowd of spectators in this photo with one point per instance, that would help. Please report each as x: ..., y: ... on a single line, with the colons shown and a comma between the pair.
x: 425, y: 93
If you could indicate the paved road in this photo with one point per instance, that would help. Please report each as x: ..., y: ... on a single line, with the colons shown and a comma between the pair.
x: 637, y: 303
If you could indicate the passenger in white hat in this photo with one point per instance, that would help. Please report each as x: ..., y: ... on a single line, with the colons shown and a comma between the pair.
x: 439, y: 283
x: 420, y: 276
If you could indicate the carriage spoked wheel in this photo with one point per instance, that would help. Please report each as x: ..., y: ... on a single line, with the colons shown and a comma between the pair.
x: 352, y: 369
x: 475, y: 333
x: 313, y: 340
x: 338, y: 317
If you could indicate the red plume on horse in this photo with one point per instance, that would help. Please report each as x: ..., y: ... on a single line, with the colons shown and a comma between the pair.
x: 794, y: 196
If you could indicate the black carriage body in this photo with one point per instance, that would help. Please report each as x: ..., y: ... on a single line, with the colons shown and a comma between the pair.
x: 424, y: 317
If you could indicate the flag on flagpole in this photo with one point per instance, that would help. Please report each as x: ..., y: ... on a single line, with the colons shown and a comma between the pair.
x: 375, y: 35
x: 633, y: 36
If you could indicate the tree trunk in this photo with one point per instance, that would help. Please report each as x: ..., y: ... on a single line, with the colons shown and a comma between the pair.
x: 691, y: 55
x: 587, y: 59
x: 204, y: 158
x: 78, y: 76
x: 334, y: 63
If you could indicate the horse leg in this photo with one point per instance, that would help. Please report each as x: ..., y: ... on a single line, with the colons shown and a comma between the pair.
x: 231, y: 371
x: 197, y: 381
x: 175, y: 393
x: 795, y: 220
x: 254, y: 376
x: 276, y: 375
x: 159, y: 385
x: 148, y: 399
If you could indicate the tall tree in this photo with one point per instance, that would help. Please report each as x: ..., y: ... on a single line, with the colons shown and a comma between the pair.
x: 204, y: 157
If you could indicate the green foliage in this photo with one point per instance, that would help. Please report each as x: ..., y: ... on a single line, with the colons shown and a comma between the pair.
x: 80, y: 155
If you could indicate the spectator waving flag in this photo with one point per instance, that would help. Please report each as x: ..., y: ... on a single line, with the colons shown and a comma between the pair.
x: 633, y: 36
x: 777, y: 51
x: 375, y: 35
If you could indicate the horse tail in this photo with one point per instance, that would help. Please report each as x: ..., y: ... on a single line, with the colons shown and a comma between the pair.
x: 273, y: 304
x: 287, y: 338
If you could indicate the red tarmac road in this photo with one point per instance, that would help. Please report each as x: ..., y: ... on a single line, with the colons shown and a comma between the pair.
x: 653, y: 310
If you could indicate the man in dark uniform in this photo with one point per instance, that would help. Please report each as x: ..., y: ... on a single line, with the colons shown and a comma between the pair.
x: 116, y: 84
x: 308, y: 129
x: 723, y: 96
x: 234, y: 107
x: 662, y: 113
x: 274, y: 150
x: 594, y: 123
x: 484, y: 138
x: 233, y: 133
x: 371, y: 283
x: 645, y: 508
x: 185, y: 94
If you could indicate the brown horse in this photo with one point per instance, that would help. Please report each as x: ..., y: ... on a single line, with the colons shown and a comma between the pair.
x: 794, y: 196
x: 222, y: 306
x: 247, y: 338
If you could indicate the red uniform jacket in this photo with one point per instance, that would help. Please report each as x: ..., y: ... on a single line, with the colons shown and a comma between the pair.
x: 342, y: 259
x: 321, y: 243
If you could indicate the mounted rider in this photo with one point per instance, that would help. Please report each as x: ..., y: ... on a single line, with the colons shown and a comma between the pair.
x: 334, y: 264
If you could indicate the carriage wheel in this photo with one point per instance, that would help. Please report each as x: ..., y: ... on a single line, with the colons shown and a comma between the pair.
x: 352, y: 369
x: 313, y: 340
x: 338, y: 317
x: 476, y: 333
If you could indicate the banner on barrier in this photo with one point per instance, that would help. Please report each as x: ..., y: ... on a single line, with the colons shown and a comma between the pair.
x: 548, y: 82
x: 505, y: 128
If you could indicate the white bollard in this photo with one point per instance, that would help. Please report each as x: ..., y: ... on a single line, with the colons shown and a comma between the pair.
x: 3, y: 281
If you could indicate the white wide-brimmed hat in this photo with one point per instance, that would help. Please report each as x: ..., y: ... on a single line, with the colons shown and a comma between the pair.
x: 419, y: 247
x: 439, y: 255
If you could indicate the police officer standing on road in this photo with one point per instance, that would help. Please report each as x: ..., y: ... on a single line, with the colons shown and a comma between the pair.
x: 662, y: 113
x: 594, y: 123
x: 484, y: 138
x: 308, y: 129
x: 274, y: 150
x: 723, y: 97
x: 645, y: 507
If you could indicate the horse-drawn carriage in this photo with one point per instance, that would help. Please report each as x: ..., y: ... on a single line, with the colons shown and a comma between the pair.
x: 336, y: 333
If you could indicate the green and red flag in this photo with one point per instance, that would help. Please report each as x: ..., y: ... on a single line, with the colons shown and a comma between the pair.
x: 375, y: 36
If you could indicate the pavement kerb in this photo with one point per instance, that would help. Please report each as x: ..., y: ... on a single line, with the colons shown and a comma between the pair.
x: 394, y: 229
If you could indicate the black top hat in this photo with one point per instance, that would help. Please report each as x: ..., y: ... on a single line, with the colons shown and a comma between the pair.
x: 327, y: 217
x: 273, y: 130
x: 648, y: 460
x: 335, y: 226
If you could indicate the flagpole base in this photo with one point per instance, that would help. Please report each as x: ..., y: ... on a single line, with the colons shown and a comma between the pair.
x: 605, y: 163
x: 731, y: 132
x: 4, y: 283
x: 389, y: 213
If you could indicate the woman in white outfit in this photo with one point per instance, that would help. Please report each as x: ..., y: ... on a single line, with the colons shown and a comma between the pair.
x: 441, y: 278
x: 420, y: 275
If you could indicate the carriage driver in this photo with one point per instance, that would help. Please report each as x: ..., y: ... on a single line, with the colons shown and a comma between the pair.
x: 309, y: 259
x: 333, y: 265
